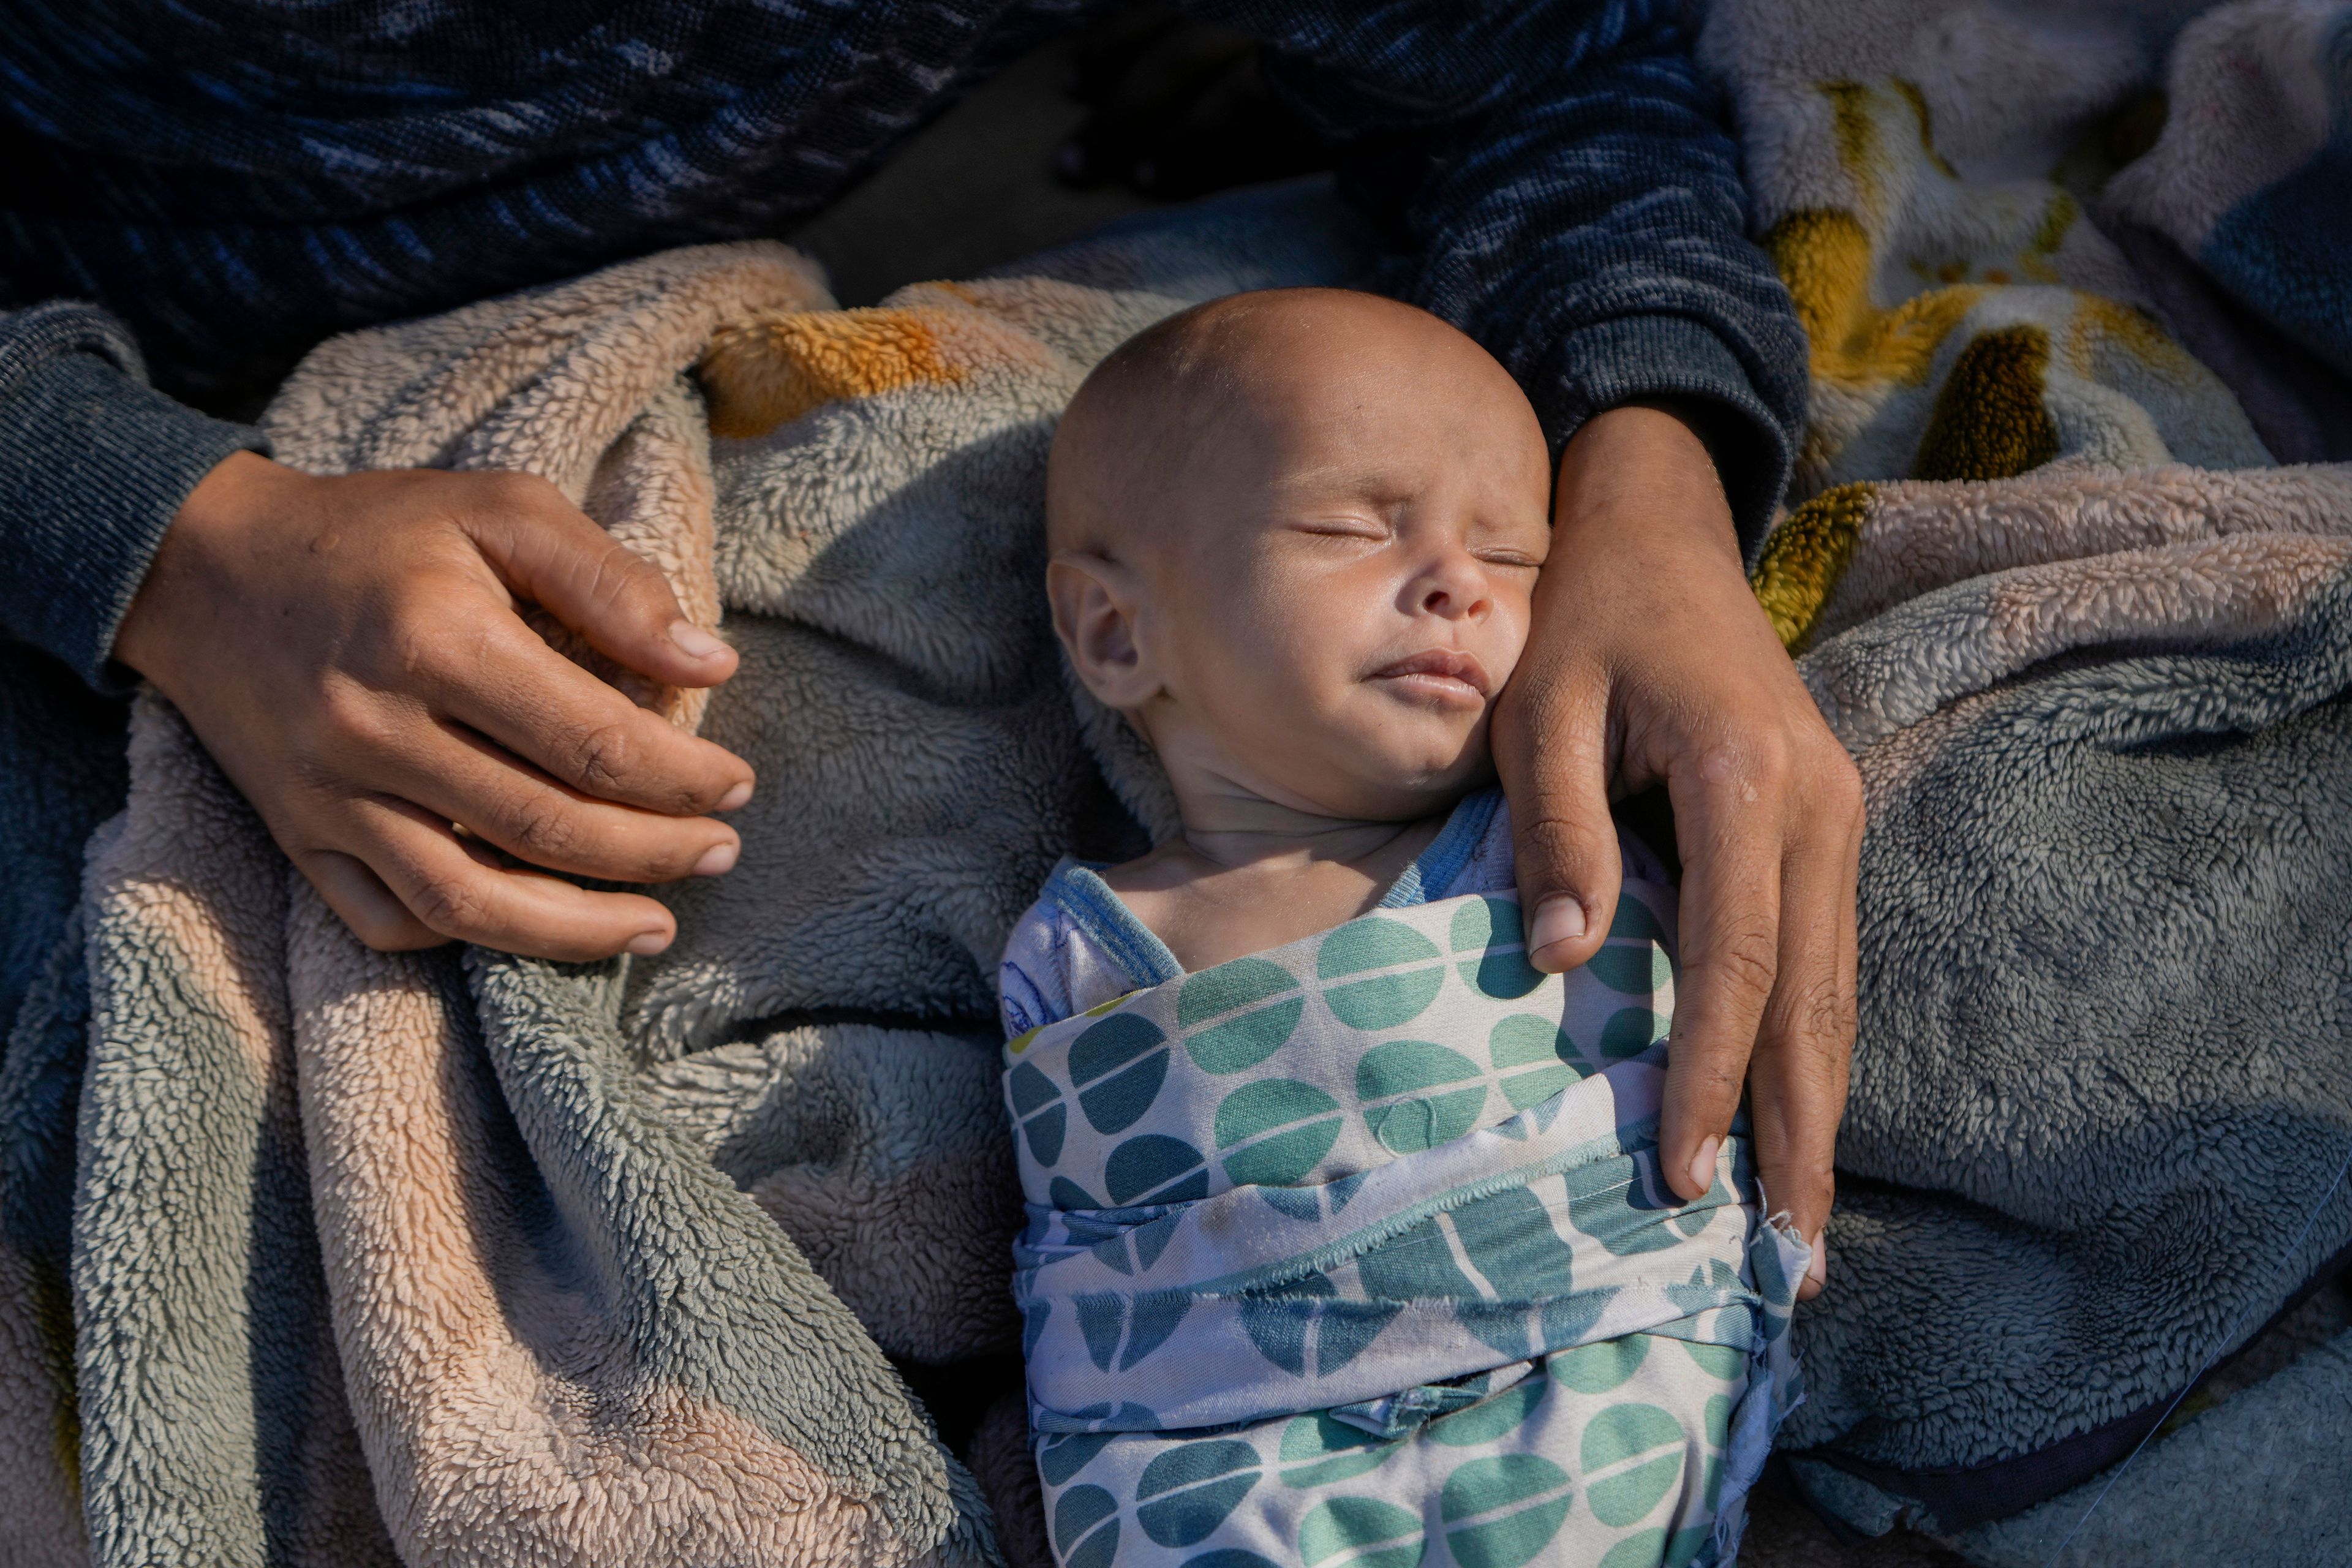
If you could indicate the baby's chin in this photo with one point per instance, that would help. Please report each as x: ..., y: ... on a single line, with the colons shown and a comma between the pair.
x: 1405, y: 785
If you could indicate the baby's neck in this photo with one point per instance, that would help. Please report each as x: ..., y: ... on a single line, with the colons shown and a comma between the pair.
x: 1238, y: 881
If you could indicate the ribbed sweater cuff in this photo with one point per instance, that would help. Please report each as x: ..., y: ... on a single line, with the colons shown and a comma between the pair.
x: 94, y: 464
x: 1637, y: 357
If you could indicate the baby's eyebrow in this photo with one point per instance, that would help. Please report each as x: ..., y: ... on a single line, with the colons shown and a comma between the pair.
x: 1355, y: 484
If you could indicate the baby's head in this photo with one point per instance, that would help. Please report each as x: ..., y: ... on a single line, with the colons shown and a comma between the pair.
x: 1294, y: 538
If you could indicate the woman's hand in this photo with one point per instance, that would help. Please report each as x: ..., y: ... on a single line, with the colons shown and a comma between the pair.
x: 1650, y: 663
x: 351, y: 652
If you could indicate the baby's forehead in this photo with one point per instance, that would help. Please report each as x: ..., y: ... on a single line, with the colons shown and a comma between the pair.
x: 1291, y: 339
x: 1308, y: 367
x: 1302, y: 393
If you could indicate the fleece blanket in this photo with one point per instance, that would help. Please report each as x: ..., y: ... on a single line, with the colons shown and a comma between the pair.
x: 2090, y: 650
x: 1363, y: 1242
x: 314, y: 1255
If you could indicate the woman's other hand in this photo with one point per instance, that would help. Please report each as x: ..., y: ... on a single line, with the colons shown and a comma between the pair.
x: 351, y: 651
x: 1650, y: 663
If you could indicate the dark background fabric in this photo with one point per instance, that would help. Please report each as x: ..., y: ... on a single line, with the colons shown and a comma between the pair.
x: 235, y: 180
x: 238, y: 178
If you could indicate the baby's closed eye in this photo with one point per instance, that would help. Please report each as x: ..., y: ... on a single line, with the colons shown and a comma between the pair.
x: 1357, y: 529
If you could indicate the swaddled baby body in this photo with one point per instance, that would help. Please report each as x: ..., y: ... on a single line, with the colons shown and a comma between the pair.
x: 1346, y: 1242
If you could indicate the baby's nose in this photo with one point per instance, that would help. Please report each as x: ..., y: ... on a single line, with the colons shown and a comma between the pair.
x: 1440, y: 600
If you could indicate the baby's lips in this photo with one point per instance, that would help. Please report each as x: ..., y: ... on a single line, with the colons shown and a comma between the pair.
x: 1451, y: 663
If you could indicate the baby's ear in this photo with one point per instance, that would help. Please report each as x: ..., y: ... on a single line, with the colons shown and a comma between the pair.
x: 1094, y: 601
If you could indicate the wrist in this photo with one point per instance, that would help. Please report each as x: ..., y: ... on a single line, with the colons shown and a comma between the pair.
x: 211, y: 526
x: 1640, y: 475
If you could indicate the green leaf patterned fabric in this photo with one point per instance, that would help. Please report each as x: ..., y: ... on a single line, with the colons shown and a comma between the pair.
x: 1383, y: 1272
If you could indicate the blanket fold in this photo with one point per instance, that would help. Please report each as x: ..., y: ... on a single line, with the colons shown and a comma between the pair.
x: 426, y: 1248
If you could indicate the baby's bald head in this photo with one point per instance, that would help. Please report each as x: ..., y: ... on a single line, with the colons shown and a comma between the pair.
x: 1294, y: 534
x: 1210, y: 389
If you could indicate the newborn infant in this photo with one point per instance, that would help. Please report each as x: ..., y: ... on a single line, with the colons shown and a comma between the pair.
x: 1346, y: 1241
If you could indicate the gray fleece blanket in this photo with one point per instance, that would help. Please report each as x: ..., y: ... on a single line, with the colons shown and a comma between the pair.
x: 2103, y: 1078
x: 2104, y: 1075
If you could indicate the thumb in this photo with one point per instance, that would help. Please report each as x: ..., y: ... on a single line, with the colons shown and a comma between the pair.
x: 550, y: 552
x: 1552, y: 752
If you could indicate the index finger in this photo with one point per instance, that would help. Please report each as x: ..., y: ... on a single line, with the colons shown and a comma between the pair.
x: 543, y: 707
x: 549, y: 552
x: 1551, y: 750
x: 1728, y: 829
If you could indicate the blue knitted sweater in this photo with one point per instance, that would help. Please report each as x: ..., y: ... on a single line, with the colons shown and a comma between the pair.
x: 220, y: 183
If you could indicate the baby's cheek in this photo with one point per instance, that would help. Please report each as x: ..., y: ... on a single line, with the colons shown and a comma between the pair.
x: 1504, y: 638
x: 1311, y: 642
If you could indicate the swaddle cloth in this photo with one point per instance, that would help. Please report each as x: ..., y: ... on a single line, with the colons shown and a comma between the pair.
x: 1356, y: 1252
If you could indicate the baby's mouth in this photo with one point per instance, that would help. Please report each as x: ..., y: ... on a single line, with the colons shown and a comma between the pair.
x: 1444, y: 674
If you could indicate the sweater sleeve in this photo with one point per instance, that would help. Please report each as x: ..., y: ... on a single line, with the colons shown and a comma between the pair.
x: 94, y: 464
x: 1557, y: 180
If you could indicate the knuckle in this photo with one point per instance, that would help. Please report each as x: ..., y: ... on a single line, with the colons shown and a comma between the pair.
x: 542, y: 828
x: 348, y: 722
x: 1742, y: 769
x: 1743, y: 958
x: 1836, y: 784
x: 1821, y: 1013
x: 1769, y: 762
x: 410, y: 652
x: 604, y: 759
x: 633, y: 584
x: 506, y: 490
x: 316, y: 771
x: 417, y: 636
x: 447, y: 903
x: 1559, y: 837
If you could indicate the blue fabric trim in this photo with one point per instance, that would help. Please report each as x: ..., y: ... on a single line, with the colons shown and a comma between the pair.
x: 1080, y: 893
x: 1435, y: 869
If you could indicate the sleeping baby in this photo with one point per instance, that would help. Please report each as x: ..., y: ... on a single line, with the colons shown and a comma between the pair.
x: 1346, y: 1241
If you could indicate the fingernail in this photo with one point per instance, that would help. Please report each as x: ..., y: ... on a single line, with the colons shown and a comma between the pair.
x: 734, y: 797
x: 695, y: 642
x: 645, y: 944
x: 1702, y: 1165
x: 1818, y: 1270
x: 717, y: 859
x: 1558, y: 918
